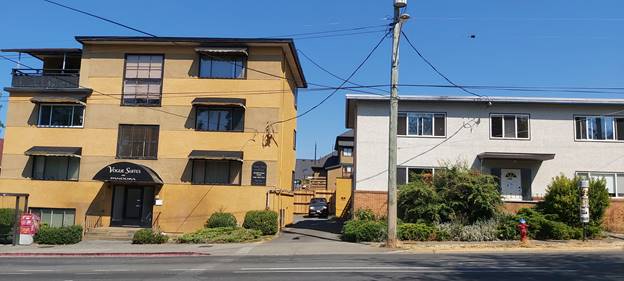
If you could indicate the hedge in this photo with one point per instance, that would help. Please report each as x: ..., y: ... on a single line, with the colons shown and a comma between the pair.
x: 149, y: 236
x: 59, y: 235
x: 221, y: 219
x: 7, y: 218
x: 416, y: 232
x: 221, y: 235
x: 364, y: 231
x: 265, y: 221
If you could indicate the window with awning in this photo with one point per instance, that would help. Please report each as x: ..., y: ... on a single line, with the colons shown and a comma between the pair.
x: 219, y: 114
x: 222, y: 63
x: 216, y: 167
x: 55, y: 163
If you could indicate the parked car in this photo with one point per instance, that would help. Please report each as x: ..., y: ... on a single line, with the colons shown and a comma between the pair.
x: 318, y: 207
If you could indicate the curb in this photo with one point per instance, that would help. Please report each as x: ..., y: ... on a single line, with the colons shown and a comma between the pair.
x: 112, y: 254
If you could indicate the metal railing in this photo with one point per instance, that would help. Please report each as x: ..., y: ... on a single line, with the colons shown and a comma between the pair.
x: 45, y: 78
x: 92, y: 222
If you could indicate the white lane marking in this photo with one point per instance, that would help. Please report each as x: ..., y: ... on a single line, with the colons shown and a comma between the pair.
x: 386, y: 268
x: 404, y: 271
x: 112, y: 270
x: 37, y: 270
x: 15, y: 273
x: 245, y: 250
x: 189, y: 269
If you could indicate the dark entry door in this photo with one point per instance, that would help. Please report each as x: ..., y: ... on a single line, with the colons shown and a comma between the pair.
x: 133, y: 205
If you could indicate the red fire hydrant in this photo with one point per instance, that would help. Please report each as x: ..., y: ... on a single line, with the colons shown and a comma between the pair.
x: 524, y: 230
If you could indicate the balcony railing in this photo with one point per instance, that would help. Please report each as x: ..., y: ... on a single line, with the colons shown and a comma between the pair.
x: 45, y: 78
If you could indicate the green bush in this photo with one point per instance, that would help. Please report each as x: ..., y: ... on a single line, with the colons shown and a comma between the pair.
x: 364, y: 231
x: 418, y: 202
x: 470, y: 195
x: 7, y: 219
x: 416, y: 232
x: 221, y: 235
x: 365, y: 215
x: 563, y: 200
x: 149, y: 236
x: 455, y: 194
x: 221, y: 219
x: 59, y: 235
x: 265, y: 221
x: 508, y: 228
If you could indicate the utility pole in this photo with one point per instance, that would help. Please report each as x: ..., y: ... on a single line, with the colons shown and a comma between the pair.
x: 391, y: 242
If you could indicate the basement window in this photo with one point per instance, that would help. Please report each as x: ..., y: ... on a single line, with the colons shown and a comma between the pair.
x: 55, y: 217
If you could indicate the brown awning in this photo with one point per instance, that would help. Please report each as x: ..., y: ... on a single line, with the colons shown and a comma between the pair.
x: 517, y: 156
x: 222, y: 50
x: 54, y: 151
x: 57, y: 100
x: 219, y: 102
x: 216, y: 155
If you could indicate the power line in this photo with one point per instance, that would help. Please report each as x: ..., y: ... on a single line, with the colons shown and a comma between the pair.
x: 436, y: 69
x: 101, y: 18
x: 330, y: 73
x: 332, y: 31
x: 342, y: 84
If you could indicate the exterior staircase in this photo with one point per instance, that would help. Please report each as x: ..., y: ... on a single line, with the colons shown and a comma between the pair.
x: 111, y: 233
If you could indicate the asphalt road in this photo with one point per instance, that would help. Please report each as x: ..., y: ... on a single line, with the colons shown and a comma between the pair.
x: 507, y: 267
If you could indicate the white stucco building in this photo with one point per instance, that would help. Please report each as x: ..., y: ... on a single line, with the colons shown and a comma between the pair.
x: 523, y: 141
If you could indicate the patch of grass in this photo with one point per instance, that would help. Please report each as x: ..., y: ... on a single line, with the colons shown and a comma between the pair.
x: 221, y: 235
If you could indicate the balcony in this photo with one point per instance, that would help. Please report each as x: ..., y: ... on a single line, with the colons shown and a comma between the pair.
x: 45, y: 78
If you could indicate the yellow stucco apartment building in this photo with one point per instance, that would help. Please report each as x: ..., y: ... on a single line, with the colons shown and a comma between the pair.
x: 142, y: 132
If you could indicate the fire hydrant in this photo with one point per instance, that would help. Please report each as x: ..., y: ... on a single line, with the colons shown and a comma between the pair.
x: 524, y: 230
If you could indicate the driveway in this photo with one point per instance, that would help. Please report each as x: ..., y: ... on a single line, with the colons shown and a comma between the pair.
x: 311, y: 236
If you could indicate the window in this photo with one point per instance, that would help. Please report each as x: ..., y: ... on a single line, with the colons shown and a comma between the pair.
x: 143, y: 80
x: 219, y: 119
x: 347, y: 151
x: 55, y: 217
x: 295, y: 139
x: 509, y: 126
x: 347, y: 170
x: 55, y: 168
x: 227, y: 67
x: 60, y: 115
x: 421, y: 124
x: 296, y: 95
x: 599, y: 128
x: 614, y: 181
x: 137, y: 142
x: 224, y: 172
x: 408, y: 174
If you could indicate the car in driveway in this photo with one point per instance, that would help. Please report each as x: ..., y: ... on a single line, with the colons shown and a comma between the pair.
x: 318, y: 207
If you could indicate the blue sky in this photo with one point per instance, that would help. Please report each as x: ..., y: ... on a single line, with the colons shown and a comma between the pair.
x: 517, y: 43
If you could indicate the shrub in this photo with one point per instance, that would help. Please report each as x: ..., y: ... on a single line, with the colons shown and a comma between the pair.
x: 221, y: 219
x: 221, y: 235
x: 149, y: 236
x: 507, y: 228
x: 478, y: 231
x: 7, y: 219
x: 454, y: 194
x: 59, y: 235
x: 265, y: 221
x: 418, y: 202
x: 470, y: 195
x: 364, y: 231
x: 563, y: 200
x: 364, y: 215
x: 416, y: 232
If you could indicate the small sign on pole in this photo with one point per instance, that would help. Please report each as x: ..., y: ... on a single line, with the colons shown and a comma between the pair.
x: 584, y: 208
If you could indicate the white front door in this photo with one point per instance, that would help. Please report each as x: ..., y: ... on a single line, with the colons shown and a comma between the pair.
x: 511, y: 184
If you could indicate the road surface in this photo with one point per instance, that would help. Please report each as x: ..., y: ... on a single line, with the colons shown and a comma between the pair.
x: 380, y: 266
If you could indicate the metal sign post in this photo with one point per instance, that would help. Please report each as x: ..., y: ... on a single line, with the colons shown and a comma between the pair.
x: 584, y: 208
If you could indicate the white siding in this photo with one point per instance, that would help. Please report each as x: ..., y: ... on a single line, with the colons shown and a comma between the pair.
x: 551, y: 131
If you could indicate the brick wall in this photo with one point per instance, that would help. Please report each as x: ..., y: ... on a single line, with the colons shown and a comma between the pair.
x: 374, y: 200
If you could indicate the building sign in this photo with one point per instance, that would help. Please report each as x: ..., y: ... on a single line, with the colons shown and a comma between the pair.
x: 126, y: 172
x: 258, y: 173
